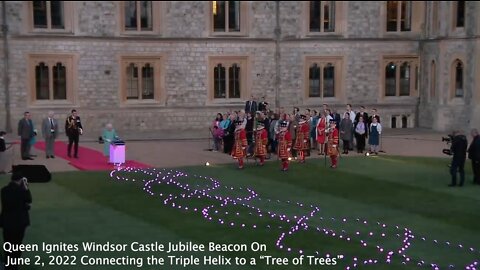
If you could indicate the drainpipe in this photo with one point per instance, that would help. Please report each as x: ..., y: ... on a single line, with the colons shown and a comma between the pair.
x: 6, y: 80
x: 277, y: 33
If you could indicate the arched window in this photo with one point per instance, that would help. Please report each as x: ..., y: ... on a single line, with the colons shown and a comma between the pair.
x: 321, y: 80
x: 458, y: 81
x: 219, y: 79
x: 390, y: 79
x: 59, y: 81
x: 42, y: 86
x: 147, y: 81
x: 234, y: 81
x: 314, y: 80
x: 433, y: 79
x: 459, y: 13
x: 329, y: 80
x: 405, y: 79
x: 132, y: 81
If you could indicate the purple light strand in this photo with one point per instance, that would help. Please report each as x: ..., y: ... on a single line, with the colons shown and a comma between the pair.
x: 169, y: 177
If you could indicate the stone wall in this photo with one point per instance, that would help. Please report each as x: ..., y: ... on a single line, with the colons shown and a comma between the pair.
x: 185, y: 43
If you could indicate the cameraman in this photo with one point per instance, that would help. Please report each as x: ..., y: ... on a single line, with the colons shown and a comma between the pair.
x: 474, y: 155
x: 16, y: 199
x: 459, y: 151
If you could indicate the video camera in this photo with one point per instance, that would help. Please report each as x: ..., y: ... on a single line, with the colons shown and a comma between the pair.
x: 448, y: 139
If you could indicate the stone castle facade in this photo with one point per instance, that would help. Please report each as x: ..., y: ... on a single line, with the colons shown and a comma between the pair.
x: 162, y: 66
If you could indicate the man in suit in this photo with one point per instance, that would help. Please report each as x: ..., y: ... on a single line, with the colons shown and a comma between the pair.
x: 73, y: 129
x: 16, y: 199
x: 262, y: 106
x: 459, y: 150
x: 50, y: 132
x: 336, y: 117
x: 26, y: 133
x: 474, y: 155
x: 251, y: 106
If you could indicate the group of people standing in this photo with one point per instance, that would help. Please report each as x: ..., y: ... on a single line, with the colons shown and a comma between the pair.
x: 50, y: 130
x: 262, y: 133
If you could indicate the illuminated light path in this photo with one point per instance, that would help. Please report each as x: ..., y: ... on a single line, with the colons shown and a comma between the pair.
x: 293, y: 224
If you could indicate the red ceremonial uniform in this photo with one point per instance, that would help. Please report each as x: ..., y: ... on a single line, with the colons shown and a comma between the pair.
x: 303, y: 137
x: 238, y: 151
x: 261, y: 140
x: 284, y: 143
x: 321, y: 126
x: 332, y: 149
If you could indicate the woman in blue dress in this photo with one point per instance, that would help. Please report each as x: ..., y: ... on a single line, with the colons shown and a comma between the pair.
x: 109, y: 135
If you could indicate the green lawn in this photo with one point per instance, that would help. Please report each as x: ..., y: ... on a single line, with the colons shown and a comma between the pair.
x: 395, y: 191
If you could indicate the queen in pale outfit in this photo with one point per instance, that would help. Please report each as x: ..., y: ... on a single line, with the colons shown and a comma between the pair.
x: 109, y: 135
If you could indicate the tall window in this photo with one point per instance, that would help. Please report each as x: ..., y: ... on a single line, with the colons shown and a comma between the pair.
x: 459, y: 13
x: 435, y: 21
x: 323, y: 76
x: 401, y: 76
x: 141, y: 78
x: 227, y: 78
x: 399, y: 16
x: 433, y: 79
x: 138, y: 16
x: 322, y: 16
x: 458, y: 90
x: 140, y: 81
x: 51, y: 77
x: 227, y: 16
x: 48, y: 15
x: 50, y: 81
x: 321, y: 80
x: 227, y: 84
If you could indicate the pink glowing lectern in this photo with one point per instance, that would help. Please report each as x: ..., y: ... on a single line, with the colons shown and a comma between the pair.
x: 117, y: 153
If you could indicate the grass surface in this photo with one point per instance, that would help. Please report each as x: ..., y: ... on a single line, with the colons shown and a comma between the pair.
x: 396, y: 191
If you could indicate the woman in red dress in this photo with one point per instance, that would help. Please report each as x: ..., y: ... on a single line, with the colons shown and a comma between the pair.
x: 321, y: 126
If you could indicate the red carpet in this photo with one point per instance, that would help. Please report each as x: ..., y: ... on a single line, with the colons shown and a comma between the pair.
x: 89, y: 159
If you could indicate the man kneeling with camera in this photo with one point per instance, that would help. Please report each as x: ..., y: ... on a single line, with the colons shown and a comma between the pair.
x: 459, y: 151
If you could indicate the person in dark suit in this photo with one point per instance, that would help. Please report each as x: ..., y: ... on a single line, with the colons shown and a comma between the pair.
x: 262, y: 106
x: 73, y: 128
x: 49, y: 132
x: 336, y: 117
x: 251, y: 105
x: 474, y: 156
x: 459, y: 150
x: 16, y: 199
x: 26, y: 133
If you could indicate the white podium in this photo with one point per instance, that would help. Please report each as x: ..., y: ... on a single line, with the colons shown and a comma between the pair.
x: 117, y: 154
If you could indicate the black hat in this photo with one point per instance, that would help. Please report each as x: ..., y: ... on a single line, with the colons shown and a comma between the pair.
x: 303, y: 117
x: 238, y: 122
x: 283, y: 124
x: 2, y: 133
x: 16, y: 176
x: 333, y: 121
x: 260, y: 124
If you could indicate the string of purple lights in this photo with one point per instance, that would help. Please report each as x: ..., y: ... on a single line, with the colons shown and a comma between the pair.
x: 212, y: 189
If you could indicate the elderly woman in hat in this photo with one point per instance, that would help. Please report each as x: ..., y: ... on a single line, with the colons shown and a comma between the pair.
x: 109, y: 135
